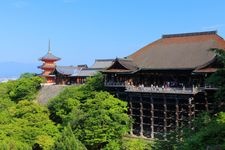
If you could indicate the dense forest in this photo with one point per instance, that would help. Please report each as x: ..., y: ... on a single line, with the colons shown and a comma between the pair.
x: 87, y: 117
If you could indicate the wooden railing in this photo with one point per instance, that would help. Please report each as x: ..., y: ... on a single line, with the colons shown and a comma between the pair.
x: 114, y: 84
x: 156, y: 89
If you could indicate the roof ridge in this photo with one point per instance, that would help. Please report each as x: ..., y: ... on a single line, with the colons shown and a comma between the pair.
x: 189, y: 34
x: 104, y: 59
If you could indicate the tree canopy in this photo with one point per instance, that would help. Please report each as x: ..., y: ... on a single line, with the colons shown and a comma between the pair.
x: 95, y: 116
x: 218, y: 78
x: 28, y: 124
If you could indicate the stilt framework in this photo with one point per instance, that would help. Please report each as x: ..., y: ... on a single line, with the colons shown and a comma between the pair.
x: 157, y: 114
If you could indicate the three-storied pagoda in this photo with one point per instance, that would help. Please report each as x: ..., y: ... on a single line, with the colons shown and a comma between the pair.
x: 48, y: 66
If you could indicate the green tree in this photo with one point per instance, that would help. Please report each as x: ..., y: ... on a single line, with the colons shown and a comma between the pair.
x: 95, y: 83
x: 96, y: 117
x: 27, y: 123
x: 128, y: 143
x: 25, y: 88
x: 68, y: 141
x: 27, y: 75
x: 66, y: 105
x: 137, y: 144
x: 218, y: 78
x: 105, y: 120
x: 10, y: 144
x: 63, y: 106
x: 209, y: 136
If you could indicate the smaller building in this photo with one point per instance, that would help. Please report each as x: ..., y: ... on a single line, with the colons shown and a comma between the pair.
x: 67, y: 74
x: 79, y: 74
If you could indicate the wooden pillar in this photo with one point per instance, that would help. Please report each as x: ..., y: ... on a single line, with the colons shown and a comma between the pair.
x: 165, y: 116
x: 131, y: 114
x: 141, y: 117
x: 152, y: 116
x: 206, y: 102
x: 190, y: 113
x: 177, y: 113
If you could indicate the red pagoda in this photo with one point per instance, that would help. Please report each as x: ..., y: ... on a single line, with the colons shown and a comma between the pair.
x: 48, y: 66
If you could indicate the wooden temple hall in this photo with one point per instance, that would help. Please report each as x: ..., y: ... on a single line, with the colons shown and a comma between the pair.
x: 164, y: 82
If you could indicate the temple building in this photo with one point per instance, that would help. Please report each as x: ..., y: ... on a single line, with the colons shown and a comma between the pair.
x: 48, y: 66
x: 164, y: 82
x: 78, y: 74
x: 67, y: 75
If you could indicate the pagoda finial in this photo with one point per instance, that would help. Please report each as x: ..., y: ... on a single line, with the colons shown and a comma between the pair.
x: 49, y: 46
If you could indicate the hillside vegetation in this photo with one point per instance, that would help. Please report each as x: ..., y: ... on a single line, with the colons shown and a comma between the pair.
x: 87, y: 117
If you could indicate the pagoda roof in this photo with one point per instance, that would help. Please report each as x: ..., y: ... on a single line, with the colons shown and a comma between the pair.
x: 49, y: 56
x: 43, y: 66
x: 179, y: 51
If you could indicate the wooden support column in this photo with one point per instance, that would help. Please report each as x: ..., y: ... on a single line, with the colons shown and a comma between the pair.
x: 131, y: 114
x: 152, y: 116
x: 141, y: 116
x: 190, y: 106
x: 165, y: 116
x: 206, y: 102
x: 177, y: 113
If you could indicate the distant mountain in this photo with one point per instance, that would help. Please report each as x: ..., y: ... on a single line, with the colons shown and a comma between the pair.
x: 15, y: 69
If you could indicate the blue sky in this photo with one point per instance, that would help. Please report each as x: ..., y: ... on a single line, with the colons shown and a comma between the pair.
x: 84, y: 30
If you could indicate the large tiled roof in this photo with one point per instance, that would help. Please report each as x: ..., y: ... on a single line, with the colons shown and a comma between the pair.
x: 121, y: 65
x: 86, y: 72
x: 179, y: 51
x: 67, y: 70
x: 102, y: 63
x: 49, y: 56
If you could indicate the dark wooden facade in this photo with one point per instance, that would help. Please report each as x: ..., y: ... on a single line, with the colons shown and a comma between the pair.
x: 164, y: 95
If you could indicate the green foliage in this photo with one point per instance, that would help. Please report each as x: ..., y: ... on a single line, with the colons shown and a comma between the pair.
x: 220, y: 54
x: 137, y: 144
x: 68, y: 141
x: 25, y: 88
x: 130, y: 144
x: 95, y: 83
x: 207, y: 132
x: 113, y: 145
x: 96, y: 118
x: 66, y: 105
x: 28, y: 124
x: 218, y: 78
x: 4, y: 90
x: 10, y: 144
x: 5, y: 103
x: 105, y: 120
x: 27, y: 75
